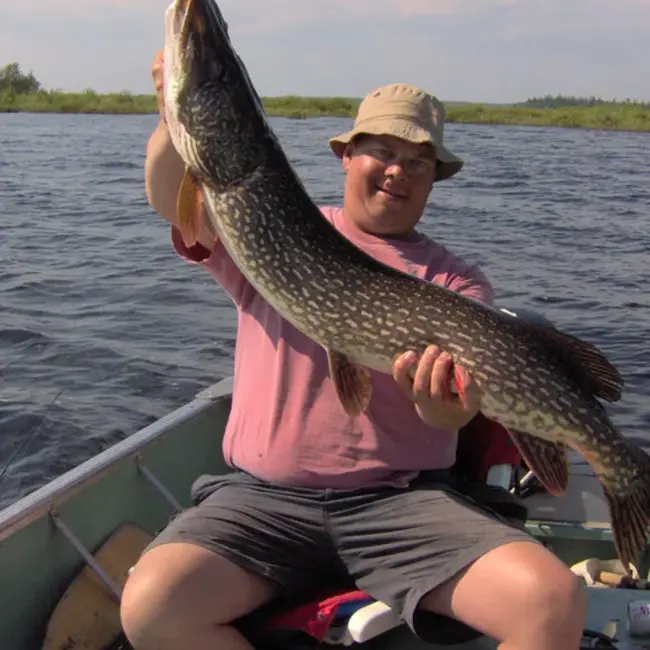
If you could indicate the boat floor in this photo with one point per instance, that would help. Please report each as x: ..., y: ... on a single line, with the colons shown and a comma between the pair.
x: 608, y: 613
x: 583, y: 503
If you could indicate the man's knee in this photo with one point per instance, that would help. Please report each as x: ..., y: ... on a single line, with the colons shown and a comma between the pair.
x: 531, y: 592
x: 558, y: 599
x: 176, y: 590
x: 141, y: 614
x: 153, y: 605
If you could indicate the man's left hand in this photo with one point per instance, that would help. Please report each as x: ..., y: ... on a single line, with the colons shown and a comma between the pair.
x: 427, y: 383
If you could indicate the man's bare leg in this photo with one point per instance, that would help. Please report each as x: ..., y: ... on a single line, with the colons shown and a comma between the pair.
x: 519, y: 594
x: 183, y: 596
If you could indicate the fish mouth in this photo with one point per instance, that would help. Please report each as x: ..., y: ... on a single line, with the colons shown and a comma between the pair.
x: 198, y: 27
x: 210, y: 103
x: 197, y: 52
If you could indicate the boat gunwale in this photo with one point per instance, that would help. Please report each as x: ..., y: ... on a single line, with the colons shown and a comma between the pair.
x: 61, y: 489
x: 575, y: 530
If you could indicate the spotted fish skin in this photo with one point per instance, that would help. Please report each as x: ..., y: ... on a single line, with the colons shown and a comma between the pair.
x: 542, y: 384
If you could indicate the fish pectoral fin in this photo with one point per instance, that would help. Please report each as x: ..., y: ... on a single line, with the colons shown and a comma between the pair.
x: 189, y: 207
x: 547, y: 460
x: 352, y: 383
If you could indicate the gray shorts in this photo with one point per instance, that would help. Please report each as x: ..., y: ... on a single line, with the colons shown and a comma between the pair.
x: 394, y: 544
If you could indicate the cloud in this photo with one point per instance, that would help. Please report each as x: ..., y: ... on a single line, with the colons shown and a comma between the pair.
x: 489, y: 50
x: 298, y: 11
x: 262, y: 14
x: 269, y: 14
x: 424, y: 7
x: 79, y: 7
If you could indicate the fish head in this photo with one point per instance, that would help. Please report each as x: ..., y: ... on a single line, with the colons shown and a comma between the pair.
x: 215, y: 118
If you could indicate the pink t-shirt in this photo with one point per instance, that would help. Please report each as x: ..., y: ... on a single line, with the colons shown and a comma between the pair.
x: 287, y: 425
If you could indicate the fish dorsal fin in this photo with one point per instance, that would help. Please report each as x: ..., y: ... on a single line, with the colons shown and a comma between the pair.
x: 590, y: 365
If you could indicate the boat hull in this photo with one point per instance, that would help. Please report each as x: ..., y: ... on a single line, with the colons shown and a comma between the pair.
x: 145, y: 478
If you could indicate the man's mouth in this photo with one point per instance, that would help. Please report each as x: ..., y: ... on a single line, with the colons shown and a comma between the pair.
x: 392, y: 193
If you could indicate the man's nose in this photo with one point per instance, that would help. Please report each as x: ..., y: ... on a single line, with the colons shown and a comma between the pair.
x: 395, y: 168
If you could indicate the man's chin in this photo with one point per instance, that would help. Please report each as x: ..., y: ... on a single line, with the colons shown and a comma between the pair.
x: 387, y: 224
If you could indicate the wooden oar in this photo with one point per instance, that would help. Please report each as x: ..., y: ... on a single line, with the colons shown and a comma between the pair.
x: 88, y: 614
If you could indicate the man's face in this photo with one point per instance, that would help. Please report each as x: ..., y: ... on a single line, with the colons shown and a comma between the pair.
x: 388, y: 183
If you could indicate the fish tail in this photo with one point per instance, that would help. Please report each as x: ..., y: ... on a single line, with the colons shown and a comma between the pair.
x: 630, y: 513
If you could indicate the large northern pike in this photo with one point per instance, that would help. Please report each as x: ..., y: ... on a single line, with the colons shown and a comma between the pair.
x: 542, y: 385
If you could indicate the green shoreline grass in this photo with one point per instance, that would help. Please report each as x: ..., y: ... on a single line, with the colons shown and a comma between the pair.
x: 623, y: 116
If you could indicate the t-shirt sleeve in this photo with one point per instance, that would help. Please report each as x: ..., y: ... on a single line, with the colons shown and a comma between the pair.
x: 470, y: 281
x: 217, y: 262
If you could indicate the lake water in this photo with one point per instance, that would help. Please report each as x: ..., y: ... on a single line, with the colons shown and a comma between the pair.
x: 103, y: 329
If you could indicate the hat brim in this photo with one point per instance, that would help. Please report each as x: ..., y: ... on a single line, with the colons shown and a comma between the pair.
x: 447, y: 163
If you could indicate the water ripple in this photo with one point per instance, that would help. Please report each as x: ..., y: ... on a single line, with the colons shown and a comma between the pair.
x: 104, y: 330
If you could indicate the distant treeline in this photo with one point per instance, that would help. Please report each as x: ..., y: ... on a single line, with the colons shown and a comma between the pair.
x: 23, y: 92
x: 560, y: 101
x: 12, y: 80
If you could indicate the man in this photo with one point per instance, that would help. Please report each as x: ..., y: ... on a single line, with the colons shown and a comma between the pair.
x: 317, y: 497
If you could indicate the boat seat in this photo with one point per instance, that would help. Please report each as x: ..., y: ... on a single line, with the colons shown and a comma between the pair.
x: 366, y: 623
x: 338, y: 617
x: 345, y: 619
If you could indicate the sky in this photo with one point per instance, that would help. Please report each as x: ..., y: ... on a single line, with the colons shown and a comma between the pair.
x: 460, y: 50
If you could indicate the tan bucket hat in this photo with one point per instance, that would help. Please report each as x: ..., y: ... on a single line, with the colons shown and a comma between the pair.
x: 406, y: 112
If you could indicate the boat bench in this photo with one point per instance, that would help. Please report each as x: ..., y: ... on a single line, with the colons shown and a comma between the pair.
x: 366, y: 623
